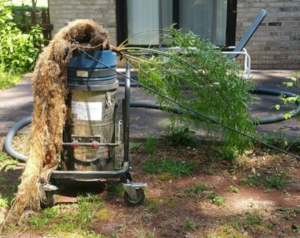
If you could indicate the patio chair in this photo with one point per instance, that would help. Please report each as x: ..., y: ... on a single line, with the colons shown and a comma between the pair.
x: 240, y: 47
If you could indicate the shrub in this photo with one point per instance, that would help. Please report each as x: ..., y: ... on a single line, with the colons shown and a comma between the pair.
x: 18, y: 51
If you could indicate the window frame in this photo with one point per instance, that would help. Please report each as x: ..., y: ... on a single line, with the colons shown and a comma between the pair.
x: 122, y: 21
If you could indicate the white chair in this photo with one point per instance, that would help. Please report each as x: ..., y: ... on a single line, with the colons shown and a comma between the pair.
x: 240, y: 49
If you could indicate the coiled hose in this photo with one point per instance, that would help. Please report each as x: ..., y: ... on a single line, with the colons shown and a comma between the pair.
x: 263, y: 120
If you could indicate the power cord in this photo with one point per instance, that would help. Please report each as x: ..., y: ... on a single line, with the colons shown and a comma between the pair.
x: 193, y: 111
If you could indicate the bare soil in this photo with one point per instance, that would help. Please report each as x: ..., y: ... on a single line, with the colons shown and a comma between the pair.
x: 173, y: 207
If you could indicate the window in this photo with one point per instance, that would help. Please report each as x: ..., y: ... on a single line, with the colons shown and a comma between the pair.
x: 209, y: 19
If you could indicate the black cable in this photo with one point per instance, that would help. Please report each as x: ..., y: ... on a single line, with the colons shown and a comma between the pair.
x: 193, y: 111
x: 264, y: 91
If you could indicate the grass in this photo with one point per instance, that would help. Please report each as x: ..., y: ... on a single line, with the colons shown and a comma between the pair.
x: 175, y: 206
x: 252, y: 179
x: 228, y: 154
x: 252, y: 219
x: 134, y: 146
x: 276, y: 140
x: 141, y: 233
x: 277, y: 180
x: 3, y: 202
x: 7, y: 163
x: 104, y: 214
x: 232, y: 189
x: 176, y: 168
x: 152, y: 204
x: 218, y: 200
x: 115, y: 189
x: 196, y: 189
x: 150, y: 143
x: 74, y: 219
x: 180, y: 135
x: 8, y: 79
x: 190, y: 224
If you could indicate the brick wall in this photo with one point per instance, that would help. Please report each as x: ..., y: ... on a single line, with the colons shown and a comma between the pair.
x: 276, y: 43
x: 101, y: 11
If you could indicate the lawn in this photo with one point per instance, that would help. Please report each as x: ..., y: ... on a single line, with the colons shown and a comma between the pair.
x: 199, y: 191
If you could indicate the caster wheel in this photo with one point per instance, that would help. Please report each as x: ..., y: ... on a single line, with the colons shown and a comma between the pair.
x: 125, y: 177
x: 49, y: 200
x: 132, y: 202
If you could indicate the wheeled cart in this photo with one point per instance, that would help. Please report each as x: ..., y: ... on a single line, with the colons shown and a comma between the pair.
x: 97, y: 126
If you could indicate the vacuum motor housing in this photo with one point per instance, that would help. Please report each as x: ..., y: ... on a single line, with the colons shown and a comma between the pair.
x: 91, y: 112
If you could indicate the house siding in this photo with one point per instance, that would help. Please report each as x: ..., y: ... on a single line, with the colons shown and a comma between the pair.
x: 275, y: 44
x: 103, y: 12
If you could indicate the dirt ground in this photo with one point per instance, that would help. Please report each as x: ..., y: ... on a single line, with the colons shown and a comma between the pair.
x: 255, y: 195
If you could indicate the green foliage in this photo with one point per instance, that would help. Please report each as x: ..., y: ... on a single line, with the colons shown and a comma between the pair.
x: 134, y: 146
x: 190, y: 224
x: 218, y: 200
x: 196, y: 189
x: 7, y: 78
x: 6, y: 162
x: 3, y: 202
x: 179, y: 135
x: 176, y: 168
x: 271, y: 226
x: 212, y: 84
x: 87, y: 208
x: 252, y: 219
x: 152, y: 204
x: 115, y: 189
x: 294, y: 82
x: 232, y: 189
x: 228, y: 153
x: 150, y: 143
x: 50, y: 213
x: 18, y: 51
x: 229, y: 232
x: 25, y: 19
x: 38, y: 221
x: 277, y: 140
x: 252, y: 180
x: 277, y: 180
x: 144, y: 234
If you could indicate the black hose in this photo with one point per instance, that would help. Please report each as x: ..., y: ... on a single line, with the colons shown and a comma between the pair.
x: 264, y: 120
x: 256, y: 121
x: 19, y: 125
x: 276, y: 118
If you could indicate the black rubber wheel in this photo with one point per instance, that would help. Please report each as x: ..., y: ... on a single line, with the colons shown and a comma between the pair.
x: 140, y: 198
x: 50, y: 200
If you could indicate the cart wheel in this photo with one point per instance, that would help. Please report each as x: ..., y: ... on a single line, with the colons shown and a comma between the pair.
x: 49, y: 201
x: 131, y: 202
x: 125, y: 177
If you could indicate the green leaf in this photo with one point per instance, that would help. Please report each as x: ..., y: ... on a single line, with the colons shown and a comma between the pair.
x: 292, y: 78
x: 288, y: 84
x: 30, y: 60
x: 287, y: 115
